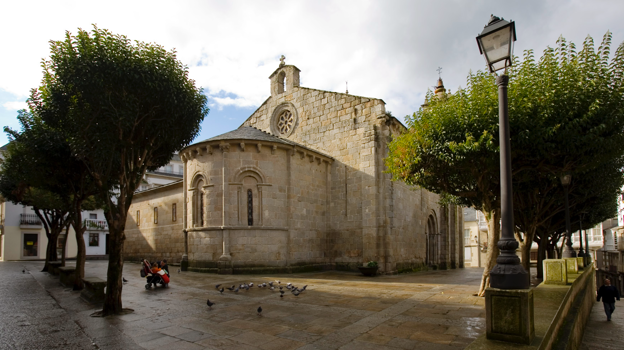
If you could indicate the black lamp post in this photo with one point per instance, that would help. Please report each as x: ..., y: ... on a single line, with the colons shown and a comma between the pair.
x: 496, y: 45
x: 568, y: 251
x: 581, y: 253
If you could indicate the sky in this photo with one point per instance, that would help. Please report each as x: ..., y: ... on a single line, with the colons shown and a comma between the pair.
x: 388, y: 49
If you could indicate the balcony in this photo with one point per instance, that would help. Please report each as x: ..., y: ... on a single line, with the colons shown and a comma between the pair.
x: 29, y: 220
x: 93, y: 224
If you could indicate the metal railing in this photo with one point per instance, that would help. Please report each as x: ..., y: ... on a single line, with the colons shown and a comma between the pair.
x: 93, y: 224
x: 30, y: 219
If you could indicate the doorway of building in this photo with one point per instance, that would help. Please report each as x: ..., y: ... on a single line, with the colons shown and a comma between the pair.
x: 30, y: 245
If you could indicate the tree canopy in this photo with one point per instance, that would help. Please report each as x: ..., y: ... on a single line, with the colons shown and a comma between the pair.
x: 125, y: 107
x: 566, y: 116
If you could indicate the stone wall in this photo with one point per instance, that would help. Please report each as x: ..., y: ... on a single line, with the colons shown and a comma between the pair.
x: 155, y: 241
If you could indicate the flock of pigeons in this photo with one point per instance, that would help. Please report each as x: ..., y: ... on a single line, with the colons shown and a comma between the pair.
x: 272, y: 286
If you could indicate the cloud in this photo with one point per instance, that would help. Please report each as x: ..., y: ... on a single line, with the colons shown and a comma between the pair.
x: 15, y: 105
x: 384, y: 49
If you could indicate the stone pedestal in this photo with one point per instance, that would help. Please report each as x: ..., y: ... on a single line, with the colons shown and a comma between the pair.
x: 571, y: 265
x: 555, y: 271
x: 580, y: 262
x: 509, y: 315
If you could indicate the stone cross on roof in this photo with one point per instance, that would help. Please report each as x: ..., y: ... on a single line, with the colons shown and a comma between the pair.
x: 282, y: 63
x: 439, y: 71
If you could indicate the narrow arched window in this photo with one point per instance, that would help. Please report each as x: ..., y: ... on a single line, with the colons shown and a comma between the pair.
x: 249, y: 208
x: 198, y: 204
x: 281, y: 83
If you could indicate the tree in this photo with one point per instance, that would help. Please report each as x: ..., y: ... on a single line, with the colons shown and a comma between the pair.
x: 40, y: 170
x: 565, y: 114
x: 126, y: 108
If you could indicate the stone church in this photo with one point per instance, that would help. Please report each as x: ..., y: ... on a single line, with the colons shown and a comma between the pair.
x: 299, y: 186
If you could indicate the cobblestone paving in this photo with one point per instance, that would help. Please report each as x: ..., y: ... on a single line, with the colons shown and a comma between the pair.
x: 603, y: 335
x: 339, y: 310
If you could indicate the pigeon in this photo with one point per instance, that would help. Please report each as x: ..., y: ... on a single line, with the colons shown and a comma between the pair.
x: 278, y: 282
x: 230, y: 288
x: 271, y: 283
x: 250, y: 284
x: 281, y: 292
x: 296, y: 294
x: 221, y: 290
x: 288, y: 287
x: 124, y: 280
x: 304, y: 287
x: 272, y: 288
x: 23, y: 270
x: 259, y: 310
x: 209, y: 303
x: 178, y: 270
x: 289, y: 284
x: 281, y: 287
x: 217, y: 286
x: 263, y: 285
x: 281, y: 295
x: 246, y: 287
x: 236, y: 290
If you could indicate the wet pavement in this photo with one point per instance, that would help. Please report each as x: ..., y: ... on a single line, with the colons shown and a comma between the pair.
x: 338, y: 310
x: 601, y: 334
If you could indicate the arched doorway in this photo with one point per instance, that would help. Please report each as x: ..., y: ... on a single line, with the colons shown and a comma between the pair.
x: 433, y: 241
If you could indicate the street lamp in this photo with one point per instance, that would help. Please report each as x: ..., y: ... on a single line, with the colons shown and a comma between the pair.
x: 581, y: 253
x: 496, y: 45
x: 568, y: 252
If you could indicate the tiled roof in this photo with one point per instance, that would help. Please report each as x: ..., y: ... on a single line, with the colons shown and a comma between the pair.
x: 250, y: 133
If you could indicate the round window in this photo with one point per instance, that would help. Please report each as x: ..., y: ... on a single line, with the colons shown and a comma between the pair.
x: 284, y: 120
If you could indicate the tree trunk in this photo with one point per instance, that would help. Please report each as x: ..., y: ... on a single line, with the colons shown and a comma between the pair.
x: 493, y: 219
x: 525, y: 250
x: 64, y: 249
x: 542, y: 247
x: 114, y: 285
x: 82, y: 253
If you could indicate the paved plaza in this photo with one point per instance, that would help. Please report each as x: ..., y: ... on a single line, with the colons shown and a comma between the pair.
x: 338, y: 310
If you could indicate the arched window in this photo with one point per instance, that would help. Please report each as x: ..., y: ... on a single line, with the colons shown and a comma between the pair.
x: 281, y: 82
x: 249, y: 208
x: 198, y: 204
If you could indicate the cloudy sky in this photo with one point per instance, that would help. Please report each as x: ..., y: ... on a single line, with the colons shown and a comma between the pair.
x: 386, y: 49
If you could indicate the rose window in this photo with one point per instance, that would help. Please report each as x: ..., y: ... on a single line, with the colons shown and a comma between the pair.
x: 285, y: 122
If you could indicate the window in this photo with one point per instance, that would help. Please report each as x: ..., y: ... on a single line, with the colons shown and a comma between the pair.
x: 31, y: 242
x: 169, y: 168
x: 249, y: 208
x: 94, y: 239
x: 138, y: 218
x: 466, y: 237
x: 93, y: 216
x: 198, y: 204
x: 155, y: 215
x: 173, y: 212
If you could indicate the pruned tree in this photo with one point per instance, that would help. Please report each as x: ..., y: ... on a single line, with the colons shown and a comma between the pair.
x: 566, y: 115
x: 126, y: 108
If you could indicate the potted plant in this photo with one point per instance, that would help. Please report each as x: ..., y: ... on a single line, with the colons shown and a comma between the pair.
x: 370, y: 269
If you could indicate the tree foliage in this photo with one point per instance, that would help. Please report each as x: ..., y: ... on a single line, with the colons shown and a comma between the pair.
x: 566, y: 116
x: 125, y: 108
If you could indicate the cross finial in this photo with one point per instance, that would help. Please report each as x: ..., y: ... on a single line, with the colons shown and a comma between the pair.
x: 439, y: 71
x: 282, y: 63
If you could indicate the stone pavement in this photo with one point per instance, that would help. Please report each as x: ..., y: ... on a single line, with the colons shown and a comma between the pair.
x: 603, y: 335
x: 339, y: 310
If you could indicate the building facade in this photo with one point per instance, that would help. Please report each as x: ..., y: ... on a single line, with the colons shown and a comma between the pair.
x: 301, y: 185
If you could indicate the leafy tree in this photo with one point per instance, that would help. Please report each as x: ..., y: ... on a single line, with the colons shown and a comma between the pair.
x: 126, y: 108
x: 40, y: 170
x: 565, y: 114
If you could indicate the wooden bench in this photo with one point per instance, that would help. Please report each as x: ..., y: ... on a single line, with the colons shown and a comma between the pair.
x: 67, y: 275
x: 93, y: 291
x: 53, y: 267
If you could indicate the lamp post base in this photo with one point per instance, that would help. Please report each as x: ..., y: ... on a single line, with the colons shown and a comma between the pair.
x: 568, y: 252
x: 509, y: 277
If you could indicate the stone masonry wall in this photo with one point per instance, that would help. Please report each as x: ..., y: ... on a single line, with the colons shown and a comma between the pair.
x: 163, y: 240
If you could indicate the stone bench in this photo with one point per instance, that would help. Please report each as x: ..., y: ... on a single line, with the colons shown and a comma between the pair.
x: 93, y: 291
x: 53, y: 267
x: 67, y: 275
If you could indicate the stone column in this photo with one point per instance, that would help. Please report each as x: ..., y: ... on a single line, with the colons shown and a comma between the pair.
x: 184, y: 261
x: 259, y: 206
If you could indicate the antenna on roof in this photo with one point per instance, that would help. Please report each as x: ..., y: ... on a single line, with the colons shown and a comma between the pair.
x: 347, y: 84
